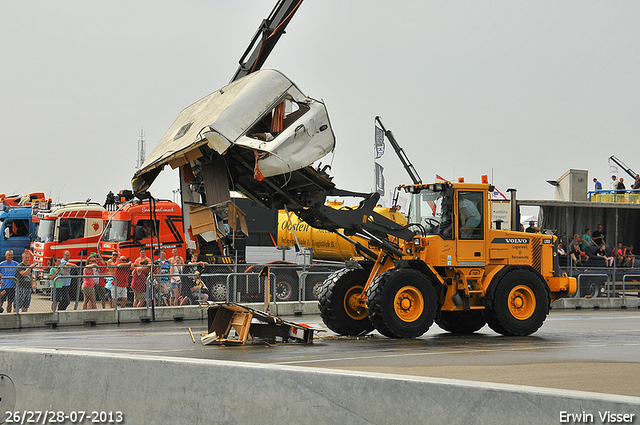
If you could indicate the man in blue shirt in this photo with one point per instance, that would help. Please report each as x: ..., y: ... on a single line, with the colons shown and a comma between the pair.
x: 598, y: 186
x: 8, y: 291
x: 162, y: 291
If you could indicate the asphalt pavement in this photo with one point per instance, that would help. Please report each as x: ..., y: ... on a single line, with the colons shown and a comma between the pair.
x: 587, y: 350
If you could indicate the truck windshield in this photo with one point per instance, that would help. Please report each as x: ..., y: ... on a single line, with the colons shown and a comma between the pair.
x: 426, y: 210
x: 116, y: 231
x: 45, y: 231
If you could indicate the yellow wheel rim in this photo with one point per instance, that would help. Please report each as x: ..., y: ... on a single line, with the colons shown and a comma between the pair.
x: 352, y: 307
x: 408, y: 304
x: 522, y: 302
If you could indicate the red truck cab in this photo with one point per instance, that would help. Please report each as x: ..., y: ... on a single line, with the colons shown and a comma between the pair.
x: 132, y: 227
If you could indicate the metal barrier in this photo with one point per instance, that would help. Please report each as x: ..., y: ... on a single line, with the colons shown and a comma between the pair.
x: 596, y: 289
x: 303, y: 284
x: 228, y: 282
x: 614, y: 195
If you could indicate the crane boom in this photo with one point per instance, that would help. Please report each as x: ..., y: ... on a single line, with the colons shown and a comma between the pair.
x: 266, y: 37
x: 413, y: 174
x: 623, y: 166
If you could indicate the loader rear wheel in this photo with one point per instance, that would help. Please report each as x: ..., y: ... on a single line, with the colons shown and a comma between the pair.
x: 462, y: 322
x: 402, y: 303
x: 520, y: 304
x: 338, y: 302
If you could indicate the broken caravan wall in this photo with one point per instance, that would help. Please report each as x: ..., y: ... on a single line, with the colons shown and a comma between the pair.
x: 216, y: 126
x: 620, y: 221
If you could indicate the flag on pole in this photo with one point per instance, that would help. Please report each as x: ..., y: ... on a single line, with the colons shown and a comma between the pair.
x: 379, y: 142
x: 379, y: 179
x: 613, y: 172
x: 497, y: 195
x: 440, y: 178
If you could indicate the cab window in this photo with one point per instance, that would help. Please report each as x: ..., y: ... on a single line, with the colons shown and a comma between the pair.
x: 144, y: 229
x: 16, y: 228
x: 74, y: 227
x: 470, y: 215
x: 277, y: 120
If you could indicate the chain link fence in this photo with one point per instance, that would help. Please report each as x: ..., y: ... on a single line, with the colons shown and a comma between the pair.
x: 107, y: 287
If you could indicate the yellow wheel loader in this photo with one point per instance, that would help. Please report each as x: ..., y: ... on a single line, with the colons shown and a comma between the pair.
x: 447, y: 265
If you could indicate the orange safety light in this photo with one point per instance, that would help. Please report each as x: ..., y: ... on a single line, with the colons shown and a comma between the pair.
x: 460, y: 179
x: 485, y: 179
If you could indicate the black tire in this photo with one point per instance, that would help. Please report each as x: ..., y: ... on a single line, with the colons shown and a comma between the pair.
x: 402, y: 303
x: 462, y: 322
x: 336, y: 301
x: 520, y: 304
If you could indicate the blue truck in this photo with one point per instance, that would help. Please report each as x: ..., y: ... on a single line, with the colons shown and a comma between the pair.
x: 17, y: 230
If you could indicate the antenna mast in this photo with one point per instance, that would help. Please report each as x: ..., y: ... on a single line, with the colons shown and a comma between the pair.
x: 142, y: 151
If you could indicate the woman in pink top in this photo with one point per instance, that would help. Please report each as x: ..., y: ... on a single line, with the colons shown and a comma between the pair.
x: 89, y: 283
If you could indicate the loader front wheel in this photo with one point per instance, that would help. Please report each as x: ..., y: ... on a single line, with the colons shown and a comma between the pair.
x: 462, y: 322
x: 402, y: 303
x: 338, y: 300
x: 520, y: 304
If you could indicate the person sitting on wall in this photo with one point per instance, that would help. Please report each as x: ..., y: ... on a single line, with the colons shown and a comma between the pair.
x: 576, y: 255
x: 618, y: 254
x: 629, y: 257
x: 601, y: 252
x: 587, y: 240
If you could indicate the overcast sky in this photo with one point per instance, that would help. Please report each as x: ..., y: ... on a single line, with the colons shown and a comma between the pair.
x: 519, y: 90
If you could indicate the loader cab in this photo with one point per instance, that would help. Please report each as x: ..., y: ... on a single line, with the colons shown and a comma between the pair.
x: 454, y: 212
x: 432, y: 209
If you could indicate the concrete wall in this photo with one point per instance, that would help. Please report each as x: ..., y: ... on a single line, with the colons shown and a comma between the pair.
x: 131, y: 315
x: 162, y: 390
x: 595, y: 303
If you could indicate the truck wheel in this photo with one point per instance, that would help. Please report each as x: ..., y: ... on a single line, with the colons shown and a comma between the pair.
x: 520, y: 304
x: 462, y: 322
x: 402, y: 303
x: 219, y: 291
x: 284, y: 291
x: 337, y: 300
x: 313, y: 285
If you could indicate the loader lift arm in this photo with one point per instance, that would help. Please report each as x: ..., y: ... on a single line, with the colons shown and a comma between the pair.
x: 362, y: 221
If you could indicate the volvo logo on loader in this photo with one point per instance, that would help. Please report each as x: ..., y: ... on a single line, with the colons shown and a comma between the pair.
x: 514, y: 241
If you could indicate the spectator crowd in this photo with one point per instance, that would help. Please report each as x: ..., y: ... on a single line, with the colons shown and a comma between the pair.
x: 165, y: 282
x: 591, y: 250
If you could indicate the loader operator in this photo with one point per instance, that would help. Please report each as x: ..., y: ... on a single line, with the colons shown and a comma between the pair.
x: 469, y: 217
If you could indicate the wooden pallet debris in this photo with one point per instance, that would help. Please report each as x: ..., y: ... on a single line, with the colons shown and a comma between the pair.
x: 230, y: 323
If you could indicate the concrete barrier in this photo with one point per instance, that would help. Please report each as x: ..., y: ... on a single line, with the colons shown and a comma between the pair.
x: 96, y: 316
x: 162, y: 390
x: 131, y: 315
x: 594, y: 303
